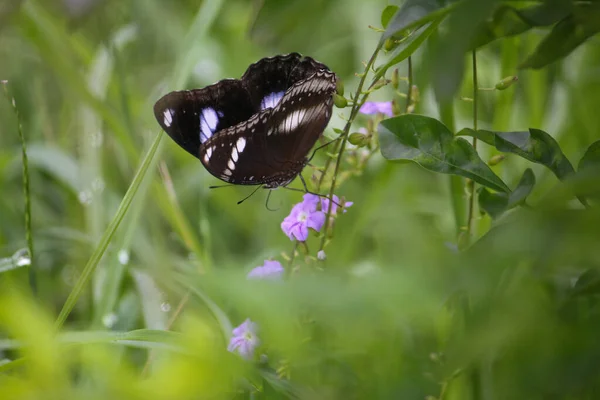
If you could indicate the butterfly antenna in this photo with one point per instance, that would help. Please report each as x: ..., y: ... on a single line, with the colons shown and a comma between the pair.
x: 308, y: 191
x: 250, y: 195
x: 267, y: 202
x: 320, y: 147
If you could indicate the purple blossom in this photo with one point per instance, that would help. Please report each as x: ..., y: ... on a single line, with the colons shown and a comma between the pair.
x: 334, y: 206
x: 244, y: 340
x: 303, y: 216
x: 269, y: 270
x: 374, y: 107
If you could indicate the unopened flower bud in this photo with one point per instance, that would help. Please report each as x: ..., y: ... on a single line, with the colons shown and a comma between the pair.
x: 321, y: 256
x: 395, y: 78
x: 506, y: 82
x: 396, y: 109
x: 358, y: 139
x: 339, y: 87
x: 495, y: 160
x: 389, y: 44
x: 339, y: 101
x: 379, y: 84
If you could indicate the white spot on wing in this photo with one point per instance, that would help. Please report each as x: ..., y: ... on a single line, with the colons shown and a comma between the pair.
x: 240, y: 144
x: 231, y: 165
x: 271, y: 100
x: 234, y: 154
x: 227, y: 172
x: 292, y: 121
x: 168, y: 117
x: 208, y: 123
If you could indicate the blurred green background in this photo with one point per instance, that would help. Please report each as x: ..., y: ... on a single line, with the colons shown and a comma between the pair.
x: 396, y: 312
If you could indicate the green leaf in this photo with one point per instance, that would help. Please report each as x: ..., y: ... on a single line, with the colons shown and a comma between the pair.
x: 591, y: 158
x: 536, y: 146
x: 510, y: 21
x: 566, y: 36
x: 495, y: 204
x: 416, y: 13
x: 402, y: 53
x: 430, y: 144
x: 387, y: 14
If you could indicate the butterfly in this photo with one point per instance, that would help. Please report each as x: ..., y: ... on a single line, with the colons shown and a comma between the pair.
x: 256, y: 130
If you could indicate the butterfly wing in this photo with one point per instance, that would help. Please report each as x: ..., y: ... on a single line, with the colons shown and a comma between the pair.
x: 271, y: 147
x: 191, y: 117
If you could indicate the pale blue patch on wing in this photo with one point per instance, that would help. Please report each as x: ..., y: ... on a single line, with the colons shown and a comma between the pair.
x: 271, y: 100
x: 208, y: 123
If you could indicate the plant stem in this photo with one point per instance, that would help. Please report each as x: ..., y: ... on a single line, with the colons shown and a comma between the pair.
x: 26, y: 187
x: 355, y: 107
x: 410, y: 85
x: 471, y: 190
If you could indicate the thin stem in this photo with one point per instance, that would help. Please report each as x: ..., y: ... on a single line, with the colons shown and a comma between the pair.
x: 410, y: 85
x: 356, y: 106
x: 471, y: 189
x: 26, y: 187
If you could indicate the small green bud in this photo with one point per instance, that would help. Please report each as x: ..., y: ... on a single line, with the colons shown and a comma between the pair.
x: 506, y: 82
x: 389, y: 44
x: 339, y: 101
x: 339, y: 87
x: 358, y: 139
x: 469, y: 185
x: 396, y: 109
x: 379, y: 84
x: 497, y: 159
x: 395, y: 78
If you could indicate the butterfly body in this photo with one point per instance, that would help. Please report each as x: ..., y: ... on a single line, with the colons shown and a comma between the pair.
x: 256, y: 130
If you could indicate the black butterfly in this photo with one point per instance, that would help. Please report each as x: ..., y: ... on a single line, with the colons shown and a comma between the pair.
x: 256, y: 130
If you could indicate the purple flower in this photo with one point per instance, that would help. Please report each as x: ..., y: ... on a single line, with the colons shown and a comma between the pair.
x: 334, y: 206
x: 374, y: 107
x: 269, y: 270
x: 303, y: 216
x: 244, y: 340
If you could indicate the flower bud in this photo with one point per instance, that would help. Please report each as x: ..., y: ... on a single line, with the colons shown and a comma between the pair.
x: 339, y: 87
x: 379, y: 84
x: 358, y: 139
x: 396, y: 109
x: 495, y: 160
x: 506, y: 82
x: 389, y: 44
x: 321, y: 255
x: 395, y: 78
x: 339, y: 101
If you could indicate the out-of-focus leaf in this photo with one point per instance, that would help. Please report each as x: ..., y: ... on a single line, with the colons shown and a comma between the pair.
x: 591, y: 158
x: 536, y: 146
x: 495, y: 204
x: 387, y: 14
x: 566, y: 36
x: 56, y: 163
x: 402, y: 53
x: 448, y: 62
x: 415, y: 13
x: 587, y: 283
x: 430, y: 144
x: 509, y: 21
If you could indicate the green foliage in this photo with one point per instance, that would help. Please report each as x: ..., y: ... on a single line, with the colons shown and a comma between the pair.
x: 430, y: 285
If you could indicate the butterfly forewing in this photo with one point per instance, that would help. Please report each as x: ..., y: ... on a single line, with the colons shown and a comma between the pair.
x: 191, y: 117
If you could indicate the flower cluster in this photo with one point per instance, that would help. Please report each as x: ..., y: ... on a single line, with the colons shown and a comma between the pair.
x: 310, y: 213
x: 377, y: 107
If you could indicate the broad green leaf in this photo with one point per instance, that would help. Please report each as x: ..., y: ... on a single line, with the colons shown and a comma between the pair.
x: 509, y: 21
x: 566, y: 36
x: 387, y: 14
x: 430, y: 144
x: 402, y: 53
x: 495, y: 204
x: 591, y: 158
x: 536, y: 146
x: 416, y: 13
